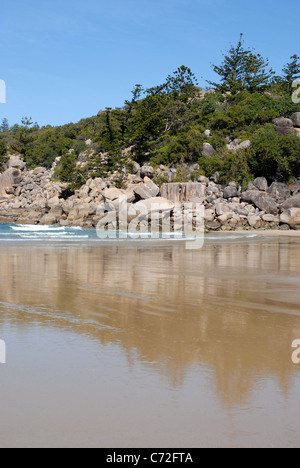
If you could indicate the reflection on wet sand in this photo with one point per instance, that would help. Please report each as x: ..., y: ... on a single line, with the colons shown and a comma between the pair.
x: 230, y: 307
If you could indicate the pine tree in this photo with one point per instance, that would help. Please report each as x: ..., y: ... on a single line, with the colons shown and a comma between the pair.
x: 291, y: 72
x: 182, y: 84
x: 4, y: 125
x: 242, y: 70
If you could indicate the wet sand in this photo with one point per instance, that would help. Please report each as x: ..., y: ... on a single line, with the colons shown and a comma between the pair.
x: 135, y: 346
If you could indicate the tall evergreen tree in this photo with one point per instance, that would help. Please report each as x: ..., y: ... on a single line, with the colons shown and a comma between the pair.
x: 242, y: 70
x: 182, y: 84
x: 291, y: 72
x: 4, y: 125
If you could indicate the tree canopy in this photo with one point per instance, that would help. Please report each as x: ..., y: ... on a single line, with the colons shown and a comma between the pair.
x: 242, y: 70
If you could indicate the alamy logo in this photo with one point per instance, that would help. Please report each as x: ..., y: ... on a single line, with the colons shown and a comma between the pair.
x: 296, y: 353
x: 2, y: 92
x: 150, y: 219
x: 2, y: 352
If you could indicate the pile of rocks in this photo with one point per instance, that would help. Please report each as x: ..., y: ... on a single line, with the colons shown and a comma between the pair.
x: 32, y: 197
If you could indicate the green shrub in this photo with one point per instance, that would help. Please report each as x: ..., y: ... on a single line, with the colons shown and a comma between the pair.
x: 3, y: 152
x: 182, y: 175
x: 160, y: 179
x: 79, y: 147
x: 230, y: 165
x: 275, y: 156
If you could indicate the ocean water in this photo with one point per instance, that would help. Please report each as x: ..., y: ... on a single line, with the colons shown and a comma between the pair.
x: 52, y: 234
x: 17, y: 232
x: 148, y: 344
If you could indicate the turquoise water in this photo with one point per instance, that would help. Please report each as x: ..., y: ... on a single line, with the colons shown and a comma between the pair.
x: 16, y: 232
x: 53, y: 234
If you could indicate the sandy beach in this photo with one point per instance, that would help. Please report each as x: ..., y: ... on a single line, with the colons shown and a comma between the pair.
x: 134, y: 346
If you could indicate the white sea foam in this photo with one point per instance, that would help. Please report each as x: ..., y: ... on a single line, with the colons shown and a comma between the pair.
x: 24, y: 228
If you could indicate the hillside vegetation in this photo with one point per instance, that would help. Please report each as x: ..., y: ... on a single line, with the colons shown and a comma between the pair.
x: 167, y: 125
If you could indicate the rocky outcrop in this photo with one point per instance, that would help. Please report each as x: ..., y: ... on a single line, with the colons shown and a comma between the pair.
x: 33, y: 197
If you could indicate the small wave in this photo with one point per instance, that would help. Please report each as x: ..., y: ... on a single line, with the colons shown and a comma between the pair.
x: 53, y: 238
x: 230, y: 236
x: 39, y: 228
x: 26, y: 228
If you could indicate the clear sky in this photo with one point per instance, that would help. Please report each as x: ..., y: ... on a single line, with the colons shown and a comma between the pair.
x: 63, y: 60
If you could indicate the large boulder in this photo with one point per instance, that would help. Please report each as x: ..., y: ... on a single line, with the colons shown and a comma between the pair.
x: 208, y: 150
x: 154, y: 205
x: 222, y: 208
x: 283, y: 126
x: 173, y: 191
x: 261, y: 200
x: 292, y: 202
x: 230, y: 192
x: 112, y: 193
x: 147, y: 171
x: 254, y: 220
x: 9, y: 178
x: 249, y: 195
x: 245, y: 144
x: 49, y: 218
x: 194, y: 190
x: 81, y: 211
x: 146, y: 189
x: 261, y: 184
x: 265, y: 203
x: 98, y: 184
x: 291, y: 217
x: 16, y: 162
x: 180, y: 192
x: 279, y: 191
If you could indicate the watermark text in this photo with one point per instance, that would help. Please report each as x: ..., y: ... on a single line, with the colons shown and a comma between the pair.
x: 2, y: 352
x: 296, y: 93
x: 296, y: 353
x: 152, y: 219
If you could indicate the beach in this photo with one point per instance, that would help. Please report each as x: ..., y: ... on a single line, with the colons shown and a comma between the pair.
x: 139, y: 344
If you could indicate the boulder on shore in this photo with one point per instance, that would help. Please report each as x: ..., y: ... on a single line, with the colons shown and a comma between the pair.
x: 9, y: 178
x: 291, y: 217
x: 292, y: 202
x: 146, y: 189
x: 261, y: 200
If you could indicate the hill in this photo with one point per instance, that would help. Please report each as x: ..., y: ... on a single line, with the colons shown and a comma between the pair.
x: 237, y: 128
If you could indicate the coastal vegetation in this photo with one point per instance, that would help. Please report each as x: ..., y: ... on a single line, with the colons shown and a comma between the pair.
x: 170, y: 123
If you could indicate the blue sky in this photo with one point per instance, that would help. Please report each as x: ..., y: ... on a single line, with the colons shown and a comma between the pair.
x: 65, y: 60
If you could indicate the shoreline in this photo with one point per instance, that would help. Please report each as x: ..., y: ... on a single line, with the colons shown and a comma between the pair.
x: 33, y: 197
x: 71, y: 237
x: 264, y: 233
